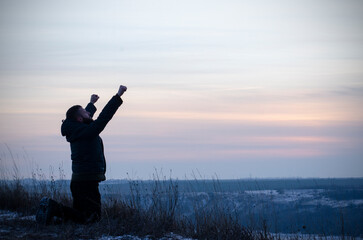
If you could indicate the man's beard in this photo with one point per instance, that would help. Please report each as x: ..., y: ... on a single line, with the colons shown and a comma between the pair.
x: 87, y: 120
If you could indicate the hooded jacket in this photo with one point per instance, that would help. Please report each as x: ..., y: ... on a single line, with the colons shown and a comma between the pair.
x: 87, y: 153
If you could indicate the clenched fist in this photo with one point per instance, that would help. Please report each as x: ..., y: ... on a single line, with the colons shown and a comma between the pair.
x: 94, y: 98
x: 121, y: 90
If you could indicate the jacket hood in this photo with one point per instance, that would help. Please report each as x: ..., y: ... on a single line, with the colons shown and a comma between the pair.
x: 68, y: 127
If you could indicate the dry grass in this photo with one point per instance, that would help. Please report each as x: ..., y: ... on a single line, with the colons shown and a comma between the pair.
x: 152, y: 212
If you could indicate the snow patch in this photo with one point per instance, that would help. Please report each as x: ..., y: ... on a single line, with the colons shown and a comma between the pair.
x: 170, y: 236
x: 7, y: 215
x: 262, y: 192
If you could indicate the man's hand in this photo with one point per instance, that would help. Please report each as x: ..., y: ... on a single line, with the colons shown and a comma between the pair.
x: 94, y: 98
x: 121, y: 90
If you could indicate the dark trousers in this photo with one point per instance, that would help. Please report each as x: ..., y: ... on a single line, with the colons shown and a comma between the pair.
x: 86, y: 203
x: 86, y: 198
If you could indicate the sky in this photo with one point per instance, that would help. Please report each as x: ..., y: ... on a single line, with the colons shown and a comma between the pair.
x: 216, y: 89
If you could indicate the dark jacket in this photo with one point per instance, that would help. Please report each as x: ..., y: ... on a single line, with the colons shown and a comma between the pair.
x: 88, y: 159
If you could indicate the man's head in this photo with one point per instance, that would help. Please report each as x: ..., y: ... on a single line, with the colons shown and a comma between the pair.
x: 79, y: 114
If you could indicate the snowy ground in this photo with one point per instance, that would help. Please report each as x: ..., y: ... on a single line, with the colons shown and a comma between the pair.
x: 16, y: 226
x: 170, y: 236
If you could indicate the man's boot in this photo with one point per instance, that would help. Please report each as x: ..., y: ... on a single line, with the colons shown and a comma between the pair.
x: 48, y: 209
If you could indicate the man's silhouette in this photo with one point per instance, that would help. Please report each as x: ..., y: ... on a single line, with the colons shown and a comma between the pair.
x: 88, y: 162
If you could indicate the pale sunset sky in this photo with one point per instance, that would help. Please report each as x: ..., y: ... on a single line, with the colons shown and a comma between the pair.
x: 227, y: 89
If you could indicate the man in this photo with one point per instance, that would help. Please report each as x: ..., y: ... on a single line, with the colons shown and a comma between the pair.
x: 88, y: 162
